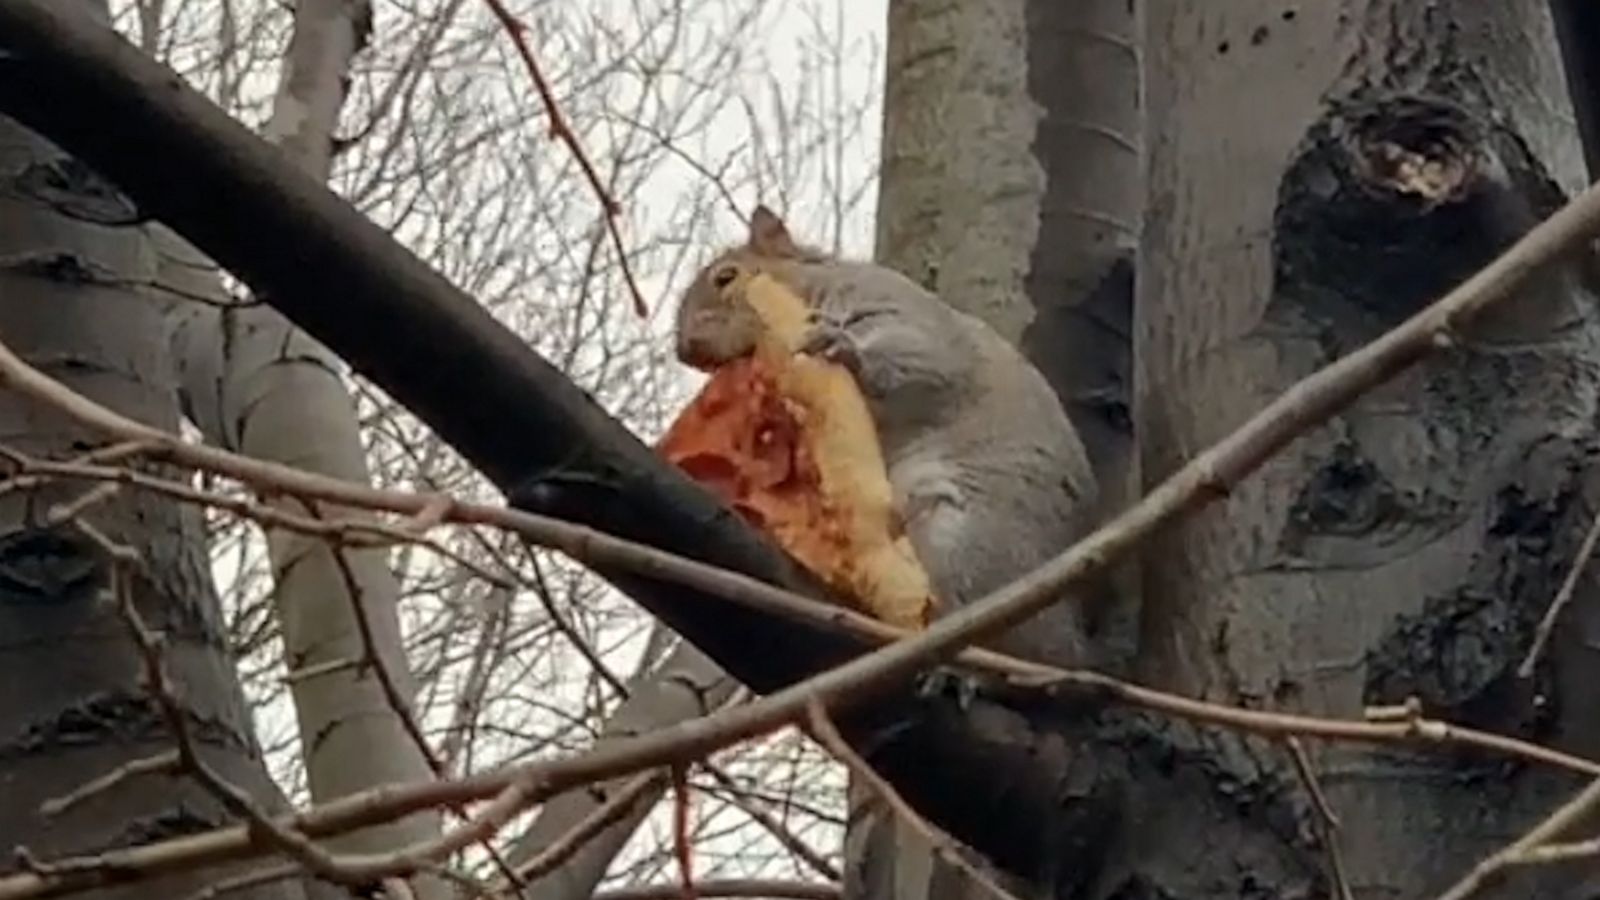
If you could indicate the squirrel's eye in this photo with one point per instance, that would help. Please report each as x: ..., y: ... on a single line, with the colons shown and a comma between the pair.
x: 724, y: 276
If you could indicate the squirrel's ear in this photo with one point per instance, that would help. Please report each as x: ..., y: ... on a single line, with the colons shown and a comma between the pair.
x: 769, y: 236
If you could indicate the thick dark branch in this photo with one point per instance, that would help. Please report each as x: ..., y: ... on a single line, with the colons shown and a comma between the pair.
x: 509, y: 412
x: 347, y: 282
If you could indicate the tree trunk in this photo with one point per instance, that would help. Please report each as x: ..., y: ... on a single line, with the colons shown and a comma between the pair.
x: 1317, y: 171
x: 256, y: 384
x: 1010, y: 188
x: 72, y: 697
x: 686, y: 684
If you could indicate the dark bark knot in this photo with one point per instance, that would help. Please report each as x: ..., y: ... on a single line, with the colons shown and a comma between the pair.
x: 1391, y: 201
x: 1418, y: 154
x: 49, y: 566
x: 1458, y: 658
x: 113, y: 717
x: 1459, y: 654
x: 1347, y: 496
x: 72, y: 189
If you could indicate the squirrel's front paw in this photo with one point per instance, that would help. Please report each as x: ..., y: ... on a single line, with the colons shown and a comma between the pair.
x: 827, y: 339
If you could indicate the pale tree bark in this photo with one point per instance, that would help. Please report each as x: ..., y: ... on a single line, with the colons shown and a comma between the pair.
x: 1317, y: 171
x: 73, y: 705
x: 684, y: 685
x: 1009, y: 187
x: 254, y: 383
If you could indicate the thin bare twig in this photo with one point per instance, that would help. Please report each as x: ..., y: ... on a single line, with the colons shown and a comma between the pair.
x: 320, y: 669
x: 398, y: 703
x: 164, y: 763
x: 1547, y: 624
x: 559, y: 129
x: 792, y: 842
x: 1548, y: 854
x: 1327, y: 822
x: 162, y: 690
x: 598, y: 819
x: 1579, y: 807
x: 825, y: 733
x: 1413, y: 729
x: 30, y: 472
x: 565, y: 628
x: 71, y: 509
x: 682, y: 845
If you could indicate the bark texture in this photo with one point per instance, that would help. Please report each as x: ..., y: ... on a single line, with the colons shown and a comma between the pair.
x: 1009, y: 187
x: 254, y: 383
x: 72, y: 703
x: 1317, y: 171
x: 686, y: 684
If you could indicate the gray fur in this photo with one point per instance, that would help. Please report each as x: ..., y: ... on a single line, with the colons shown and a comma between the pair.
x: 987, y: 471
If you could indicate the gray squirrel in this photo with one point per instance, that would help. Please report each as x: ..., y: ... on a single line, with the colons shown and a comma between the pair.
x: 988, y: 473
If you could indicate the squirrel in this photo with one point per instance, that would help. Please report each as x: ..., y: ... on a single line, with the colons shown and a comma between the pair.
x: 989, y: 476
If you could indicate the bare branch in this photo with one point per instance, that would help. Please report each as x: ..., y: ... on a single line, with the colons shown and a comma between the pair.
x: 1405, y: 726
x: 825, y: 733
x: 1327, y: 822
x: 1568, y: 815
x: 166, y: 763
x: 559, y: 128
x: 1569, y: 585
